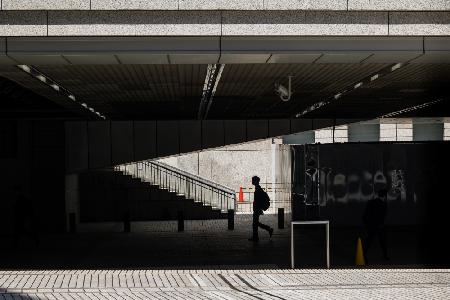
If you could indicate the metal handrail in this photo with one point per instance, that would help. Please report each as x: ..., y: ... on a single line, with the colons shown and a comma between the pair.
x: 183, y: 183
x: 187, y: 174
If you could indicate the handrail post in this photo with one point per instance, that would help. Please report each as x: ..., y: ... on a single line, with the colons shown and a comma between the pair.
x: 281, y: 218
x: 231, y: 219
x: 180, y: 221
x: 187, y: 188
x: 167, y: 177
x: 126, y: 222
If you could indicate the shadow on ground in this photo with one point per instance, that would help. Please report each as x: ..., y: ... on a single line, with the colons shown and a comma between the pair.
x: 203, y: 245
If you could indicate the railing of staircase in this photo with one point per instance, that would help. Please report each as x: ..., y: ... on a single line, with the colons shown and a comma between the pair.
x: 175, y: 180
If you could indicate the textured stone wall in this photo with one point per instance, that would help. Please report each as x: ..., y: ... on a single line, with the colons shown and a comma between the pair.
x: 223, y: 23
x: 234, y: 166
x: 425, y: 5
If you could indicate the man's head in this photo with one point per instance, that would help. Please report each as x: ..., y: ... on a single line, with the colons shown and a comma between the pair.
x: 382, y: 193
x: 255, y: 180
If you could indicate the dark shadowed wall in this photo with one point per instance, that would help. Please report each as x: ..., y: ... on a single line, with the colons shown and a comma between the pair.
x: 415, y: 174
x: 32, y: 158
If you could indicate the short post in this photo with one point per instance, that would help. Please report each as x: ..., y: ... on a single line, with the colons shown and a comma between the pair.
x: 126, y: 222
x: 180, y: 221
x: 72, y: 223
x: 231, y: 219
x: 281, y: 218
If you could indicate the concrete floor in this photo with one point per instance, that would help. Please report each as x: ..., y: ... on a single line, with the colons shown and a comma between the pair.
x: 203, y: 244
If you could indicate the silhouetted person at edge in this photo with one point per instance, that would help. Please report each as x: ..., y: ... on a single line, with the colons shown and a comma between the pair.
x: 24, y: 219
x: 374, y: 218
x: 257, y: 210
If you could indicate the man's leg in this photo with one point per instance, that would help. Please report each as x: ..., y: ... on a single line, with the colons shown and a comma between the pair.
x: 264, y: 226
x: 255, y: 225
x: 383, y: 242
x: 367, y: 242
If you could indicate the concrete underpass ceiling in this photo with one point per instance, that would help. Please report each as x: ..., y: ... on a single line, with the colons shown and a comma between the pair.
x: 245, y: 91
x: 163, y: 78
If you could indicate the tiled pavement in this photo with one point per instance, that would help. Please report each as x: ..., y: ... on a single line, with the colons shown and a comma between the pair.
x: 226, y: 284
x: 242, y: 225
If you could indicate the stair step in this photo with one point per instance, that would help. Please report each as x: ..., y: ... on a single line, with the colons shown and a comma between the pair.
x: 147, y: 200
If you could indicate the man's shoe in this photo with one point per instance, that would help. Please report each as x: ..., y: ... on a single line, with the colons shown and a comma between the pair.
x: 253, y: 239
x: 270, y: 232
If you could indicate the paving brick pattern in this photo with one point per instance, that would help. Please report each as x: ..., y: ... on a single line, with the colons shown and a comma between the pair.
x: 226, y: 284
x: 242, y: 223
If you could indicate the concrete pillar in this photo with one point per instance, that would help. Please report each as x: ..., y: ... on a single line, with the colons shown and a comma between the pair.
x: 126, y: 222
x: 231, y: 219
x: 72, y: 223
x: 281, y: 218
x: 180, y: 221
x: 72, y: 202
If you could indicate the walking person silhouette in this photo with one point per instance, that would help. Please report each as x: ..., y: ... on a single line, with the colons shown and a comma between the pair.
x: 374, y: 218
x: 258, y: 205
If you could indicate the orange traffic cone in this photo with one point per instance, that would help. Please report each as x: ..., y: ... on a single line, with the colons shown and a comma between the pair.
x: 241, y: 194
x: 359, y: 260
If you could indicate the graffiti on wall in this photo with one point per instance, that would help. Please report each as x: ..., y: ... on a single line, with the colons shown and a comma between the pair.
x: 351, y: 175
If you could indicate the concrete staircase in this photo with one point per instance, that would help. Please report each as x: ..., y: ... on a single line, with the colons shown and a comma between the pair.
x: 108, y: 195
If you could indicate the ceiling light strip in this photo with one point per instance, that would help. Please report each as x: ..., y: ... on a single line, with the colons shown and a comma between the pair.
x: 213, y: 75
x: 383, y: 72
x: 409, y: 109
x: 57, y: 87
x: 213, y: 92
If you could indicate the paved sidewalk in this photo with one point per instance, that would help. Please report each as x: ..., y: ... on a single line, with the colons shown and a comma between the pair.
x: 226, y: 284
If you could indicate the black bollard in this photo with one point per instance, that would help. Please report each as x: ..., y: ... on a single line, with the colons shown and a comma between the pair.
x: 180, y: 221
x: 72, y: 223
x: 126, y: 222
x: 281, y: 218
x: 231, y: 219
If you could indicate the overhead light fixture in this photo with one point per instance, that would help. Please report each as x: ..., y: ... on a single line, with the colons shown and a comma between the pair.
x: 213, y: 75
x: 383, y: 72
x: 359, y: 84
x: 41, y: 78
x: 25, y: 68
x: 396, y: 66
x: 412, y: 108
x: 51, y: 83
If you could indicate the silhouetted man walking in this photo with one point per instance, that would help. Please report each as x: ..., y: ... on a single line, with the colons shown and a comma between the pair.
x: 257, y: 210
x: 374, y: 217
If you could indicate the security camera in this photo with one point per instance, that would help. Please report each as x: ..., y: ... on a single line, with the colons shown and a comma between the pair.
x: 283, y: 92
